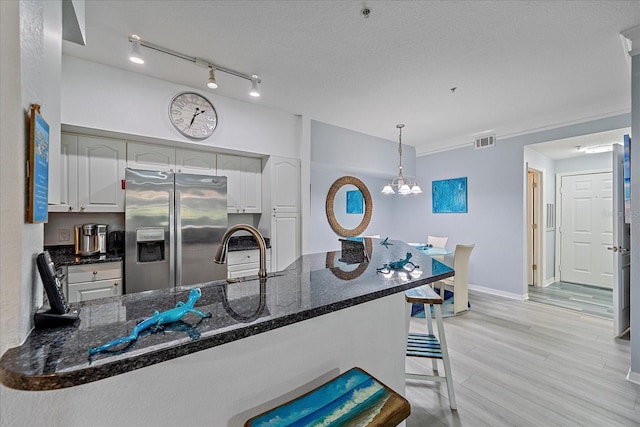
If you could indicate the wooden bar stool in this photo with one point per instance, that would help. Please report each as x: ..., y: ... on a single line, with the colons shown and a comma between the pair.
x: 352, y: 398
x: 430, y: 346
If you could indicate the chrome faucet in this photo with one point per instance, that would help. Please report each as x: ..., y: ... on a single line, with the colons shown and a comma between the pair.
x: 221, y: 254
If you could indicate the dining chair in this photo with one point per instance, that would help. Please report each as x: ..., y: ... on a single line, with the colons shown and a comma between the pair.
x: 437, y: 242
x: 460, y: 281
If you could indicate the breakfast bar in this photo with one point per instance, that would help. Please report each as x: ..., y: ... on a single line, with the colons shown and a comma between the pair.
x: 265, y: 342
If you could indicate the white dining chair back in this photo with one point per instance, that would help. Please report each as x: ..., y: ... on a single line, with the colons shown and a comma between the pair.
x: 460, y: 281
x: 437, y: 242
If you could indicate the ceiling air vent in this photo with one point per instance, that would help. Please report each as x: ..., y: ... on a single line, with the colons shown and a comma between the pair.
x: 485, y: 141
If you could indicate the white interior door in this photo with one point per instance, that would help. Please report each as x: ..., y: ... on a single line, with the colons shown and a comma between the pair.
x: 620, y: 248
x: 586, y: 229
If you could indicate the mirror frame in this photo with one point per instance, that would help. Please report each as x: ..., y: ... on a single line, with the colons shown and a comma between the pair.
x: 368, y: 207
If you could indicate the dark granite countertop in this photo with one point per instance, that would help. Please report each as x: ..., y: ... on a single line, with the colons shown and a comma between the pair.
x: 314, y: 285
x: 65, y: 256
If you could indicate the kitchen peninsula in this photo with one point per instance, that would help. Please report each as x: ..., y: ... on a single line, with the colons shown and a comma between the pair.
x: 266, y: 342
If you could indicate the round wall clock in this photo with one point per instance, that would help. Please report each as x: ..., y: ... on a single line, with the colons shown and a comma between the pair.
x: 193, y: 115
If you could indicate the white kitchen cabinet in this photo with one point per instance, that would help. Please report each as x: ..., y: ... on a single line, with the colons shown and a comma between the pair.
x: 285, y: 184
x: 197, y: 162
x: 150, y: 157
x: 91, y: 174
x: 92, y: 281
x: 167, y: 159
x: 246, y: 263
x: 285, y: 239
x: 244, y: 183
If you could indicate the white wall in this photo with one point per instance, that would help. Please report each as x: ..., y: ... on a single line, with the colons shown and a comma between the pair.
x: 12, y: 155
x: 635, y: 218
x: 95, y: 96
x: 31, y: 42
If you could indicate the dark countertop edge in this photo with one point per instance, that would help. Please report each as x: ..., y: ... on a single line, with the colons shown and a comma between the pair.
x: 19, y: 381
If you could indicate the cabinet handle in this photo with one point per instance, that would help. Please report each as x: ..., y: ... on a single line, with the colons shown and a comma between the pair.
x: 70, y: 208
x: 115, y: 283
x: 82, y: 208
x: 95, y: 272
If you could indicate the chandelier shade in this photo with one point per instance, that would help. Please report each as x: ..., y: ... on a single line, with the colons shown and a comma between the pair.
x: 402, y: 184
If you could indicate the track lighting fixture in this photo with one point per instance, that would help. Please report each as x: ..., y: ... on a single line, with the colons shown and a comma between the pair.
x: 135, y: 56
x: 212, y: 84
x: 401, y: 182
x: 254, y: 86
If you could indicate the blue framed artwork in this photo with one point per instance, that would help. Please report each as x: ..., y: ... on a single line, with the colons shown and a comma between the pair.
x: 449, y: 195
x: 37, y: 210
x: 355, y: 203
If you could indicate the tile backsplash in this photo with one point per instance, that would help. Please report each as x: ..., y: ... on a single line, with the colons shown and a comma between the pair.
x: 59, y: 229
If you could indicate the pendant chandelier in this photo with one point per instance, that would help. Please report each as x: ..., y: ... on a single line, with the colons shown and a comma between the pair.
x: 401, y: 183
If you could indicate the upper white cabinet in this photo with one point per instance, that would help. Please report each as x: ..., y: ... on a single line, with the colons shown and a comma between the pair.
x: 91, y: 174
x: 244, y: 183
x: 167, y: 159
x: 284, y: 181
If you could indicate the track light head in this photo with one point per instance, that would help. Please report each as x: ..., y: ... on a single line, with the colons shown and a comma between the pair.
x: 135, y: 56
x: 254, y: 86
x: 212, y: 84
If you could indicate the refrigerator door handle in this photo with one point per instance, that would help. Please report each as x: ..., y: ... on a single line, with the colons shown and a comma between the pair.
x: 178, y: 246
x: 172, y: 236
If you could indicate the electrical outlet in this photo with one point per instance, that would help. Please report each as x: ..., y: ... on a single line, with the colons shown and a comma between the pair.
x: 64, y: 234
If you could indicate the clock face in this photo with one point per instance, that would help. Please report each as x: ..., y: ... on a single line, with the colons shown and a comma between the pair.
x: 193, y: 115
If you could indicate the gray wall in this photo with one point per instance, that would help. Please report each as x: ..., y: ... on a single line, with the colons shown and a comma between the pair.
x: 496, y: 218
x: 585, y: 163
x: 336, y: 152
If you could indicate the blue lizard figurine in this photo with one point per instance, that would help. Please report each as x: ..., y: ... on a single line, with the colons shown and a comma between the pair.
x: 157, y: 320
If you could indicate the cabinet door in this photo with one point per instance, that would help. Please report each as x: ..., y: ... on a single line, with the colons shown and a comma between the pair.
x: 229, y: 166
x: 68, y: 175
x: 197, y: 162
x: 285, y: 184
x: 251, y: 174
x: 285, y: 240
x: 150, y: 157
x: 101, y: 168
x: 85, y: 291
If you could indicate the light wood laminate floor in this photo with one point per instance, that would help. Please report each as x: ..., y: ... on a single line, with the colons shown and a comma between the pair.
x: 519, y: 363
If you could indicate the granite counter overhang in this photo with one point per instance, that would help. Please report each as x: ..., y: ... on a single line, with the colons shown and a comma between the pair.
x: 314, y: 285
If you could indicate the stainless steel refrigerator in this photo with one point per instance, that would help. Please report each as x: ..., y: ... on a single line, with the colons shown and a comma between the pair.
x: 174, y: 224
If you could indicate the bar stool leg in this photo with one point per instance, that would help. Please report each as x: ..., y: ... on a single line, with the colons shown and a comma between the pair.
x: 427, y: 316
x: 445, y: 356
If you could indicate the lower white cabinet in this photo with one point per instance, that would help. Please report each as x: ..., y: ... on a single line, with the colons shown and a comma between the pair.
x: 285, y: 239
x: 92, y: 281
x: 245, y: 263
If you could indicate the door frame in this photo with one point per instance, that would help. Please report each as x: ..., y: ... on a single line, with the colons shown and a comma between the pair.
x: 559, y: 177
x: 535, y: 241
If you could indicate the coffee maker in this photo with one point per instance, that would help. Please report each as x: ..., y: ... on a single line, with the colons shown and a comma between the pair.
x: 91, y: 239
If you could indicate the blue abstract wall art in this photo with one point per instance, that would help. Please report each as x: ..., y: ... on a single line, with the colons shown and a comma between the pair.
x: 449, y: 195
x: 355, y: 203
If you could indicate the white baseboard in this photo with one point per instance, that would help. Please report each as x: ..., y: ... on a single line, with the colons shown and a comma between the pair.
x: 633, y: 377
x: 549, y: 281
x: 496, y: 292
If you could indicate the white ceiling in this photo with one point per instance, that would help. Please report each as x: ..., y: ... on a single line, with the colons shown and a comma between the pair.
x: 518, y: 66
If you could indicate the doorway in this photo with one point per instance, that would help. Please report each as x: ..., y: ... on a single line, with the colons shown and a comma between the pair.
x: 585, y: 228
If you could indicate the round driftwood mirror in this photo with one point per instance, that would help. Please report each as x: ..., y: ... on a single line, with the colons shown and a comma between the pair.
x: 357, y: 202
